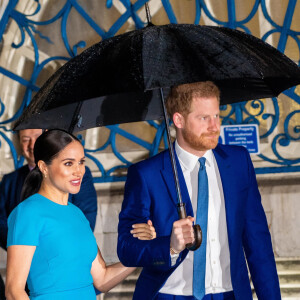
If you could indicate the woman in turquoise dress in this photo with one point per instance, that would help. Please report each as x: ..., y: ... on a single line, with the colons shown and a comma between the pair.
x: 50, y: 244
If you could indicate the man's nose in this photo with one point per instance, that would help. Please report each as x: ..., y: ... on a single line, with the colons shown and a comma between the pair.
x: 31, y: 144
x: 213, y: 123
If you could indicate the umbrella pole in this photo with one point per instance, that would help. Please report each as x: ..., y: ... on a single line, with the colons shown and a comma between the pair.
x: 148, y: 13
x: 180, y: 205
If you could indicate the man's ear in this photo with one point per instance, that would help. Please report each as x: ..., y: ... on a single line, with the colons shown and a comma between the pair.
x: 178, y: 120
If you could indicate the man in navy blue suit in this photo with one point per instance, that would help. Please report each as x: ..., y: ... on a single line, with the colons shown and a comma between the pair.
x: 12, y: 183
x: 228, y: 206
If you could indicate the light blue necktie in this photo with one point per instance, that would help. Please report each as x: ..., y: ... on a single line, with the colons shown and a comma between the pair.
x: 201, y: 219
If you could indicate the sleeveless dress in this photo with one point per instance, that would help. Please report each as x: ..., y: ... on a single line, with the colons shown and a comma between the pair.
x: 65, y: 248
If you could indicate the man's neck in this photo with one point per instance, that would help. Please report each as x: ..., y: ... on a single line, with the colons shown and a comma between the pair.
x: 31, y: 167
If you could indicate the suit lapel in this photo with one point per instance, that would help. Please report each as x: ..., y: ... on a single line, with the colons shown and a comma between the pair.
x: 169, y: 180
x: 226, y: 173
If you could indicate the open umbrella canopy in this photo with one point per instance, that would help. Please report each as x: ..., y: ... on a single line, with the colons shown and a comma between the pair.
x: 117, y: 80
x: 124, y: 79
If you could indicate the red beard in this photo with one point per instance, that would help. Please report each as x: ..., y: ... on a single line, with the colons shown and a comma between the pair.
x: 202, y: 143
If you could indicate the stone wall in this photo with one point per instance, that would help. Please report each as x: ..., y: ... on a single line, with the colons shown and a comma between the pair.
x: 281, y: 201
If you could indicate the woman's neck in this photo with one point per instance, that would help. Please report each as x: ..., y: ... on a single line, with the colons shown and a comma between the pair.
x: 54, y: 194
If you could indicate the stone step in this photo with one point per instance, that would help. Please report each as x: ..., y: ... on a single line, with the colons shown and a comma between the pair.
x: 117, y: 296
x: 292, y: 277
x: 284, y: 264
x: 289, y: 278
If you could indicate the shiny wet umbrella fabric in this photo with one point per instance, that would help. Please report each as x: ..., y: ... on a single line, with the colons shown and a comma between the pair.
x: 118, y: 80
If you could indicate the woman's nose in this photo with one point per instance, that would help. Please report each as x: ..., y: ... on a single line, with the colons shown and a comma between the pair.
x: 78, y: 170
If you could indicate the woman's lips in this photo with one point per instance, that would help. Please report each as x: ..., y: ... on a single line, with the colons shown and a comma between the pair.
x: 76, y: 182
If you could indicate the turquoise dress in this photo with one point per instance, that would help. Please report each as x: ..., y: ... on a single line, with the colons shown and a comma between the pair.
x: 65, y: 248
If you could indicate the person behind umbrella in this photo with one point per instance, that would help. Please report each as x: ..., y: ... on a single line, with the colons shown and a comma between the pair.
x: 49, y: 239
x: 219, y: 188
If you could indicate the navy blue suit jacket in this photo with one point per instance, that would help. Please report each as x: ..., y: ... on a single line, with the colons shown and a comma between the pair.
x: 10, y: 195
x: 150, y: 194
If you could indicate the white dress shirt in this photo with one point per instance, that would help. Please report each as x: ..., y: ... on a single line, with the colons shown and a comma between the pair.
x: 217, y: 274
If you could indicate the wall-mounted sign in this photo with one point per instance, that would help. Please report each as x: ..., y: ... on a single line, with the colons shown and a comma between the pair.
x: 241, y: 135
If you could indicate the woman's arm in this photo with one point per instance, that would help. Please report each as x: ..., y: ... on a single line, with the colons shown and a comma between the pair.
x: 19, y: 259
x: 106, y: 277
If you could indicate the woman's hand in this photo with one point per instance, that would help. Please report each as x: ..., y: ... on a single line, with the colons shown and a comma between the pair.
x: 143, y: 231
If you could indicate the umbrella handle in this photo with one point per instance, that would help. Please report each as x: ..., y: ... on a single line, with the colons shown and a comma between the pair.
x: 198, y: 239
x: 197, y: 229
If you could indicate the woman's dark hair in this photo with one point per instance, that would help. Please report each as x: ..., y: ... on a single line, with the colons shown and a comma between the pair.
x: 46, y: 148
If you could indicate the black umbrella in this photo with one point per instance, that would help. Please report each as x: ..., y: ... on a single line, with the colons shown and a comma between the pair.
x: 138, y: 63
x: 125, y: 78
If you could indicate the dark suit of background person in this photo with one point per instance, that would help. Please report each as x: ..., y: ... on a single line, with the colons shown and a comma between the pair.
x: 150, y: 194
